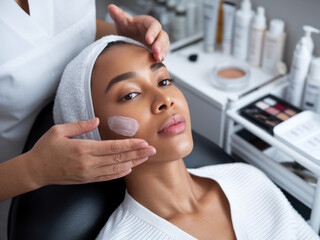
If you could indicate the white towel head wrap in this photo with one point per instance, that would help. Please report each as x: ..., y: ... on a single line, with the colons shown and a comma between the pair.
x: 73, y: 100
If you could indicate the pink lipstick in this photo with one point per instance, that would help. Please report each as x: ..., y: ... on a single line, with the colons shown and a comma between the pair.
x: 173, y: 125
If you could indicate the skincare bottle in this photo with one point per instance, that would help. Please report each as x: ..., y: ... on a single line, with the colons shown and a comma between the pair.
x: 300, y: 65
x: 273, y: 46
x: 210, y: 18
x: 159, y: 12
x: 308, y: 31
x: 199, y: 20
x: 192, y: 15
x: 171, y: 6
x: 298, y: 72
x: 242, y: 30
x: 229, y: 10
x: 312, y: 92
x: 258, y: 28
x: 180, y: 22
x: 220, y: 23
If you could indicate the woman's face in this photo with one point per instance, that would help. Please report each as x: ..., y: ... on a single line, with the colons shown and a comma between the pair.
x: 128, y: 82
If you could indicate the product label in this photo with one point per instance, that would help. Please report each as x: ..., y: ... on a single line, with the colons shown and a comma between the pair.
x: 256, y: 46
x: 311, y: 97
x: 295, y: 93
x: 272, y: 54
x: 210, y: 30
x: 179, y: 28
x: 241, y: 39
x: 299, y: 70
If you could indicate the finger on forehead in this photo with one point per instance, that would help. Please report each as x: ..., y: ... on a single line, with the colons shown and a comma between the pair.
x: 107, y: 147
x: 154, y: 29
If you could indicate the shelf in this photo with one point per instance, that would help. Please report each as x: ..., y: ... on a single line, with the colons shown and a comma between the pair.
x: 307, y: 163
x: 287, y: 180
x: 290, y: 182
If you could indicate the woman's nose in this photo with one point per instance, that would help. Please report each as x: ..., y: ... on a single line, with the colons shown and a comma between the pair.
x: 162, y: 102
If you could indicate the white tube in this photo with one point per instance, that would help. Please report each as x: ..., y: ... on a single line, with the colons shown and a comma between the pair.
x: 229, y: 10
x: 191, y: 17
x: 258, y: 28
x: 242, y: 30
x: 210, y: 14
x: 298, y: 73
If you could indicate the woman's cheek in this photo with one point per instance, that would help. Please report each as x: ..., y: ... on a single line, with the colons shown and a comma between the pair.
x: 124, y: 126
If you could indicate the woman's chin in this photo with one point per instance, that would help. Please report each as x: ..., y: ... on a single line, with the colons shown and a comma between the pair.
x: 172, y: 153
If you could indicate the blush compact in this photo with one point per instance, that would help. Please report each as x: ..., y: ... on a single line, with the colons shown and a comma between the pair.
x: 268, y: 111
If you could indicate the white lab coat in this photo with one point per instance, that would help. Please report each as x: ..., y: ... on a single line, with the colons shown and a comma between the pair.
x: 34, y: 51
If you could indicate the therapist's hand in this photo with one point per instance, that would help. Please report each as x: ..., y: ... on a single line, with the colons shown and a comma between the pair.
x: 57, y: 159
x: 143, y: 28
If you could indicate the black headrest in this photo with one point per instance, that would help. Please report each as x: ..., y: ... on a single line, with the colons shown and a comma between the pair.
x: 71, y: 212
x: 66, y: 212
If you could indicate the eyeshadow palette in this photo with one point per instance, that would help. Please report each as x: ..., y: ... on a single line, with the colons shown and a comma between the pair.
x: 269, y: 111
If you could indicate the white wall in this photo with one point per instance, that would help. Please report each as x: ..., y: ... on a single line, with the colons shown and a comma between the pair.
x: 295, y: 13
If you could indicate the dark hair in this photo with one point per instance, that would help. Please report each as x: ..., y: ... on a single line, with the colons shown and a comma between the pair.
x: 111, y: 44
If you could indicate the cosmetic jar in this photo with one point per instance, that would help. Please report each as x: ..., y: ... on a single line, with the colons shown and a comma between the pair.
x: 230, y: 77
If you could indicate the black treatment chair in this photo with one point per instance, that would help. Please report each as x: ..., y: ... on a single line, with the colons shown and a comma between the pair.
x: 76, y: 212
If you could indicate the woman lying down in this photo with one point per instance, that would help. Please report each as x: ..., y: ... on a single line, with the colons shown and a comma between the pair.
x: 117, y: 80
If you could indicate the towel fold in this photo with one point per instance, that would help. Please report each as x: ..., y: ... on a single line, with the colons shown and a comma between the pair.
x: 73, y: 100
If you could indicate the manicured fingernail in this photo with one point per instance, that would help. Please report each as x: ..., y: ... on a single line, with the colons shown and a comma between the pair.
x: 151, y: 39
x: 142, y: 145
x: 141, y: 160
x: 127, y: 171
x: 93, y: 120
x: 151, y: 151
x: 158, y: 50
x: 161, y: 57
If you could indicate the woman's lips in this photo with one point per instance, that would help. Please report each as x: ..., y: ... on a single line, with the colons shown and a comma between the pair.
x: 173, y: 125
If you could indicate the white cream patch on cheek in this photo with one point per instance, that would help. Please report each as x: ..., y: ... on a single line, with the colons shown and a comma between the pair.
x: 123, y: 125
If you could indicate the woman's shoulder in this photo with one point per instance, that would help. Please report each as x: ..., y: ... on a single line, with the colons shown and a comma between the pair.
x: 113, y: 224
x: 240, y: 177
x: 233, y: 170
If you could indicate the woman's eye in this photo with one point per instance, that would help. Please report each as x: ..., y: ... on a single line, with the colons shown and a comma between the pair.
x: 165, y: 82
x: 129, y: 96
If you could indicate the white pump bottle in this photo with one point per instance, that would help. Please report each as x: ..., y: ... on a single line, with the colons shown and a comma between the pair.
x: 308, y: 31
x: 298, y: 72
x: 311, y: 98
x: 258, y: 28
x: 242, y: 30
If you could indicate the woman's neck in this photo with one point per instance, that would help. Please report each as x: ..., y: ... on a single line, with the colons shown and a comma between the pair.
x: 165, y: 188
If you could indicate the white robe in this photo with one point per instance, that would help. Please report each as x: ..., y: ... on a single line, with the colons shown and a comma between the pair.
x: 259, y: 210
x: 34, y: 51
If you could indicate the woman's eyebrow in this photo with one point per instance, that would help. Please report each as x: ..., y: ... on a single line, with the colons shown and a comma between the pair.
x: 121, y: 77
x: 125, y: 76
x: 156, y: 66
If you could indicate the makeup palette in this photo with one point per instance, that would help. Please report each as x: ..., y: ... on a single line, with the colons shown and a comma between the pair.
x: 269, y: 111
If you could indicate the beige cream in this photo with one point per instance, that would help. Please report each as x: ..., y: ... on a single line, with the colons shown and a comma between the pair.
x: 231, y: 73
